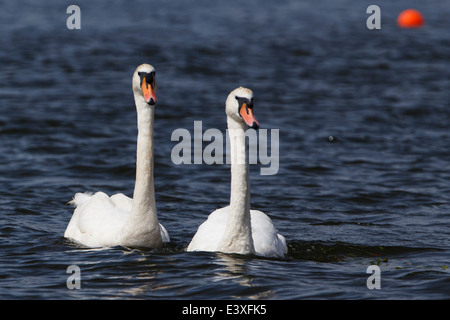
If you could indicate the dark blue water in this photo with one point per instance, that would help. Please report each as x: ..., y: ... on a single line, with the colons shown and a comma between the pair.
x: 377, y: 193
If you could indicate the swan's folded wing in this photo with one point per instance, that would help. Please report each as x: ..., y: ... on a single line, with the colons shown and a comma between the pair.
x: 267, y: 241
x: 122, y: 202
x: 96, y: 220
x: 210, y: 232
x: 164, y: 234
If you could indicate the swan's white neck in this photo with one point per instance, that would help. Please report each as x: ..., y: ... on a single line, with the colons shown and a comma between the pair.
x: 142, y: 225
x: 238, y: 233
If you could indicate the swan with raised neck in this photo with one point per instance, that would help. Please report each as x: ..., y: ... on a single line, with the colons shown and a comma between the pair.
x: 236, y: 228
x: 103, y: 221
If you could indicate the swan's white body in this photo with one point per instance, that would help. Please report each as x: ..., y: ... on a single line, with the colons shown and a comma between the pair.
x: 103, y: 221
x: 266, y: 240
x: 236, y: 228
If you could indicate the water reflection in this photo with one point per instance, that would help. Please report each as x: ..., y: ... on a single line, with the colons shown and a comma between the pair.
x: 232, y: 267
x: 240, y: 271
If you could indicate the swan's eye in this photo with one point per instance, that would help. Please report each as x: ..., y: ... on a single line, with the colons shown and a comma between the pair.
x: 142, y: 76
x: 149, y: 78
x: 247, y: 101
x: 241, y: 101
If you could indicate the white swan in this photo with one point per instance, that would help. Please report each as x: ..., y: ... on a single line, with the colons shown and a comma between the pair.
x: 102, y: 221
x: 236, y: 228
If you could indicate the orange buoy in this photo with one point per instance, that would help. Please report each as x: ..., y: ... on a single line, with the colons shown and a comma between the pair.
x: 410, y: 18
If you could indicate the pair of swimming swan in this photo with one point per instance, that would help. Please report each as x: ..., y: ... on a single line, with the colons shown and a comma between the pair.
x: 103, y: 221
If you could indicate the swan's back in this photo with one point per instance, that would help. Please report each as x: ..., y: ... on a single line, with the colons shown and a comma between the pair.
x: 98, y: 219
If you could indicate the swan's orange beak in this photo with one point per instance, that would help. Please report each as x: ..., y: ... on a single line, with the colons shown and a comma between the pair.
x: 246, y: 113
x: 148, y: 91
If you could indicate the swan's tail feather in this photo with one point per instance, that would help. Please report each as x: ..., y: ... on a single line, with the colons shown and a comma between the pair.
x: 79, y: 198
